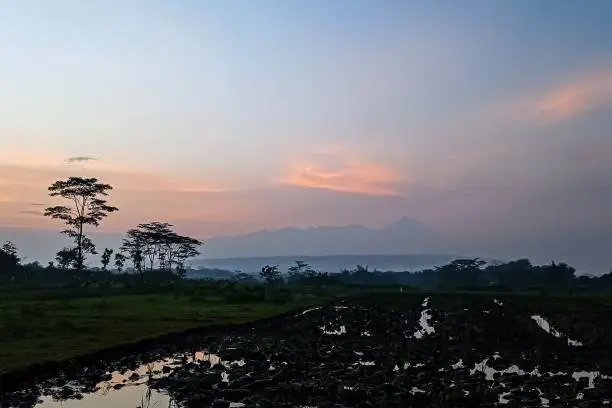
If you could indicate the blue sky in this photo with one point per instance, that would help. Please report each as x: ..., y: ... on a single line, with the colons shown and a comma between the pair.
x: 483, y: 118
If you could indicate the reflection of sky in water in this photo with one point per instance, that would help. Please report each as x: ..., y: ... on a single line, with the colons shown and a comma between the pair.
x: 130, y: 396
x: 133, y: 394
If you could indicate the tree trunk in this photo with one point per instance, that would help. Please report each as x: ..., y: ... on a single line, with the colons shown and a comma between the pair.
x: 80, y: 249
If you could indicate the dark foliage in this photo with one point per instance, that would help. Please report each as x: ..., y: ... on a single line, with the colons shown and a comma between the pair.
x: 9, y: 260
x: 106, y: 257
x: 88, y: 208
x: 156, y: 245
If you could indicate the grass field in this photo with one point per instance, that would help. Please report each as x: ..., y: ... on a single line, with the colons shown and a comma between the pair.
x: 42, y: 325
x: 38, y: 328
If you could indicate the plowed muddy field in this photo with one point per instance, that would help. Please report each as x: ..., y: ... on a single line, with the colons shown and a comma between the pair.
x: 391, y: 350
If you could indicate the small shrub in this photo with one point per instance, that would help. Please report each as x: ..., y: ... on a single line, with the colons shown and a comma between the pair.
x: 64, y: 325
x: 282, y: 296
x: 193, y: 315
x: 32, y: 310
x: 101, y: 305
x: 67, y: 304
x: 244, y: 294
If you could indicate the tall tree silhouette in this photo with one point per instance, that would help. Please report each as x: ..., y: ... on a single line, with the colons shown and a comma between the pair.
x: 106, y: 258
x: 88, y: 208
x: 133, y: 245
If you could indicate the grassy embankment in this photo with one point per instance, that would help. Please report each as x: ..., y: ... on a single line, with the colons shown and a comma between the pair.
x: 53, y: 325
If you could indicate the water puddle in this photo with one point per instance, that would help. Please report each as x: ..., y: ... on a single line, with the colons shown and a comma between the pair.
x: 458, y: 365
x: 339, y: 332
x: 591, y: 375
x: 426, y: 328
x: 312, y: 309
x: 268, y: 359
x: 502, y: 398
x: 131, y: 388
x: 129, y: 396
x: 545, y: 325
x: 490, y: 371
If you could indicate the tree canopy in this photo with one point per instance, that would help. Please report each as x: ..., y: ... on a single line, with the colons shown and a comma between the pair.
x: 9, y: 260
x: 89, y: 207
x: 156, y: 245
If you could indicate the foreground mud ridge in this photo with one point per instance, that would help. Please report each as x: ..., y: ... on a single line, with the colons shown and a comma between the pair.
x: 384, y: 350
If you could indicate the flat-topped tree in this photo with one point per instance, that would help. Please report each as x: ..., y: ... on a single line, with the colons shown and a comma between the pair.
x: 186, y: 247
x: 156, y: 245
x: 88, y: 208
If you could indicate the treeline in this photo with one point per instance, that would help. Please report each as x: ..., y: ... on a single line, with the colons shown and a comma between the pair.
x: 152, y: 247
x: 475, y: 274
x: 155, y: 252
x: 460, y: 274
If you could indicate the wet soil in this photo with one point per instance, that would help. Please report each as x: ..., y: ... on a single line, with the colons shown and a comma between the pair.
x: 386, y: 350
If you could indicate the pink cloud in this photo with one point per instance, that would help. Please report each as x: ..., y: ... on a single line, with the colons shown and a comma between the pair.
x: 575, y: 96
x: 218, y: 207
x: 343, y: 173
x: 140, y: 195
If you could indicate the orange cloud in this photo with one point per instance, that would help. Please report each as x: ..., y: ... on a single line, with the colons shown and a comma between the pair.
x: 140, y: 195
x: 344, y: 174
x: 197, y: 206
x: 575, y: 97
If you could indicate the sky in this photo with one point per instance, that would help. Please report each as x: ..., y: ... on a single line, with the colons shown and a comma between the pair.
x: 485, y: 120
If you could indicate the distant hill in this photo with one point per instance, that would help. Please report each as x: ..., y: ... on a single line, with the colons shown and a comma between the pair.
x: 42, y: 245
x: 587, y: 251
x: 405, y: 236
x: 330, y: 263
x: 206, y: 273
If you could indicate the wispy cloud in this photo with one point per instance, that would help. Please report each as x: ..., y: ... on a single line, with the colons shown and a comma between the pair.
x: 575, y: 96
x: 561, y: 100
x: 80, y: 159
x: 31, y: 212
x: 343, y: 173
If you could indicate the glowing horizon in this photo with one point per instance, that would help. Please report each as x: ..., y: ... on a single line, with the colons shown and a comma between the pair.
x: 484, y: 120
